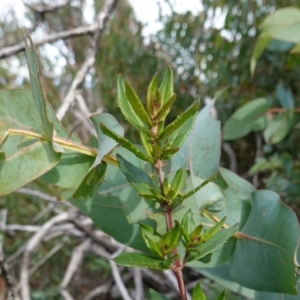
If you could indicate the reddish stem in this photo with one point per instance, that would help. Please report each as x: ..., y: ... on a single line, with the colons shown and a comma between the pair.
x: 177, y: 265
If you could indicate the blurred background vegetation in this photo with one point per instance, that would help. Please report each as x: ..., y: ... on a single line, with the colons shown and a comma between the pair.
x: 207, y: 51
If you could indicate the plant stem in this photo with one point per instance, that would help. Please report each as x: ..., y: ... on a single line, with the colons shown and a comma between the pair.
x: 177, y: 265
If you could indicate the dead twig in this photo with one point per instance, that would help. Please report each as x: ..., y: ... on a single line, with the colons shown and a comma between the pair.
x: 100, y: 24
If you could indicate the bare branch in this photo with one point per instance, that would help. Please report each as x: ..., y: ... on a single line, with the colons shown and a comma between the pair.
x: 102, y: 289
x: 75, y: 262
x: 56, y: 248
x: 47, y: 9
x: 34, y: 241
x: 50, y: 38
x: 138, y: 282
x: 102, y: 19
x: 117, y: 277
x: 99, y: 239
x: 232, y: 157
x: 43, y: 196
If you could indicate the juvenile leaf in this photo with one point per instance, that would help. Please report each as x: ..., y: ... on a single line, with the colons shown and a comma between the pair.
x: 198, y: 293
x: 144, y: 135
x: 208, y: 234
x: 125, y: 106
x: 151, y: 95
x: 37, y: 93
x: 126, y: 144
x: 169, y: 240
x: 196, y: 234
x: 167, y: 153
x: 176, y: 184
x: 105, y: 143
x: 136, y: 104
x: 177, y: 138
x: 180, y: 120
x: 150, y: 232
x: 140, y: 180
x: 213, y: 243
x: 165, y: 109
x: 166, y: 186
x: 153, y: 247
x: 139, y: 260
x: 188, y: 225
x: 166, y: 87
x: 200, y: 186
x: 222, y: 296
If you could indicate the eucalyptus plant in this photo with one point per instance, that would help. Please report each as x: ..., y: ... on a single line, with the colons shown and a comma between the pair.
x: 166, y: 198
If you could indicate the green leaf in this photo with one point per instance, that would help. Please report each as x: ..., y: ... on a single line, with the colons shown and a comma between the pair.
x: 169, y: 240
x: 151, y: 95
x: 157, y: 296
x: 126, y: 144
x: 151, y: 238
x: 177, y: 138
x: 203, y: 144
x: 166, y: 87
x: 208, y: 234
x: 107, y: 212
x: 140, y: 260
x: 261, y: 43
x: 280, y: 126
x: 176, y: 184
x: 70, y: 171
x: 140, y: 180
x: 136, y: 104
x: 91, y: 179
x: 3, y: 132
x: 165, y: 109
x: 198, y: 293
x: 188, y: 225
x: 283, y: 24
x: 222, y: 296
x: 125, y: 106
x: 180, y: 120
x: 196, y: 234
x: 105, y: 145
x: 243, y: 119
x: 25, y: 160
x: 213, y: 243
x: 37, y: 93
x: 221, y: 275
x: 296, y: 49
x: 199, y: 187
x: 272, y: 231
x: 285, y: 96
x: 277, y: 296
